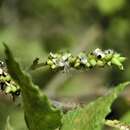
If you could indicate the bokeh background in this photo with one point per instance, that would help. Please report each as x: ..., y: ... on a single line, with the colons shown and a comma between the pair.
x: 33, y: 28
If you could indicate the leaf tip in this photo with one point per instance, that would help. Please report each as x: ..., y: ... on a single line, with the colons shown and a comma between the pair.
x: 7, y: 50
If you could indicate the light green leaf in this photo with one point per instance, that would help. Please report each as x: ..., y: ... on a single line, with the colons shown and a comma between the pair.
x: 39, y: 114
x: 110, y: 7
x: 92, y: 116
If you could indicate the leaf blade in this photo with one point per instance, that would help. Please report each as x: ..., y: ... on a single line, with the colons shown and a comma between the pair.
x: 39, y: 114
x: 92, y: 116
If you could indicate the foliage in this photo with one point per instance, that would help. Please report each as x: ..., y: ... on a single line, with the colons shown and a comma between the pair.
x: 65, y: 61
x: 34, y: 28
x: 41, y: 114
x: 92, y: 116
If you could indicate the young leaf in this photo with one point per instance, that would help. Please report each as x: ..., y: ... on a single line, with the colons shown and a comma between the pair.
x: 39, y: 114
x: 92, y: 116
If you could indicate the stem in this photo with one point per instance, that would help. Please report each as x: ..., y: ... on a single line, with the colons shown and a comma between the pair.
x: 38, y: 66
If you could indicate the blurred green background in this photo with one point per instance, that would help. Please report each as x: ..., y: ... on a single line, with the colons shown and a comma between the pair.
x: 33, y: 28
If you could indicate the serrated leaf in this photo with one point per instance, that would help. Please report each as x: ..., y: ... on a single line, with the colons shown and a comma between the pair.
x: 92, y: 116
x: 39, y: 114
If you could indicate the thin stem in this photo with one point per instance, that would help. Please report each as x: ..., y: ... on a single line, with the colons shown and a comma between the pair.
x: 39, y: 65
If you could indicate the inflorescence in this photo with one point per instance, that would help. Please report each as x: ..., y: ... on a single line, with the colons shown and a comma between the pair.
x: 97, y: 58
x: 64, y: 61
x: 7, y: 85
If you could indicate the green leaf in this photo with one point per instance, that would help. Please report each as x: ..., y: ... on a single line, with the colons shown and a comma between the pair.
x: 92, y: 116
x: 39, y: 113
x: 109, y: 7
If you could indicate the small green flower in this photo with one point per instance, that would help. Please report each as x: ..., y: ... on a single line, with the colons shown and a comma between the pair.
x: 49, y: 62
x: 7, y: 85
x: 93, y: 62
x: 100, y: 63
x: 118, y: 60
x: 108, y: 54
x: 61, y: 60
x: 81, y: 60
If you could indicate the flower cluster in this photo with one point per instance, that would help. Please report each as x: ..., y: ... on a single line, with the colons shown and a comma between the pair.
x: 97, y: 58
x: 7, y: 85
x: 65, y: 61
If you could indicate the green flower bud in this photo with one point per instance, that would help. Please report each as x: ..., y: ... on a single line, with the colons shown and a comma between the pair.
x: 66, y: 56
x: 116, y: 55
x: 53, y: 66
x: 8, y: 78
x: 78, y: 61
x: 108, y: 57
x: 109, y: 63
x: 92, y: 62
x: 49, y: 62
x: 14, y: 88
x: 77, y: 64
x: 87, y: 65
x: 83, y: 58
x: 91, y: 56
x: 117, y: 62
x: 100, y: 63
x: 72, y: 59
x: 122, y: 59
x: 54, y: 55
x: 8, y: 89
x: 2, y: 78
